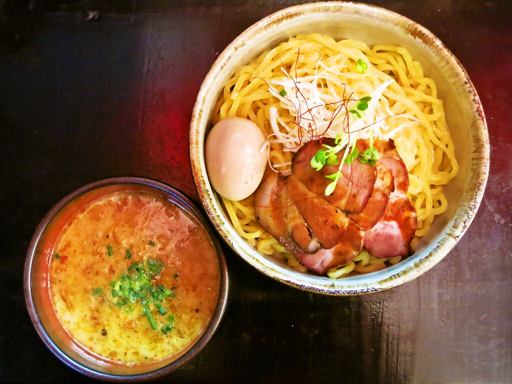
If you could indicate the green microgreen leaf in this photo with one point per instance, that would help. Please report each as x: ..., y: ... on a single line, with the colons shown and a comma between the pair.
x: 318, y: 161
x: 332, y: 159
x: 338, y: 137
x: 110, y: 251
x: 369, y: 156
x: 356, y: 112
x: 282, y: 92
x: 362, y: 106
x: 352, y: 155
x: 332, y: 176
x: 361, y: 66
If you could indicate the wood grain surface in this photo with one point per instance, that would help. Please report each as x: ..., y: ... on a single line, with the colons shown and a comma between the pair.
x: 83, y: 100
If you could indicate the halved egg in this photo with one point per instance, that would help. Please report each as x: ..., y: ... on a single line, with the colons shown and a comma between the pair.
x: 236, y: 157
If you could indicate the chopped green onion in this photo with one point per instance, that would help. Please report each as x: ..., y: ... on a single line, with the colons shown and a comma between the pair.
x: 136, y: 286
x: 161, y: 309
x: 149, y: 315
x: 361, y: 66
x: 97, y: 291
x: 128, y: 254
x: 282, y: 92
x: 155, y: 266
x: 110, y: 251
x: 169, y: 326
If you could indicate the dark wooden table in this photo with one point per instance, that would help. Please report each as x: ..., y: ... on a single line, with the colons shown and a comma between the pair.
x: 85, y: 99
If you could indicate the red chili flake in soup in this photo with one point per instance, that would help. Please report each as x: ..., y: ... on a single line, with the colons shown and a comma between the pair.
x: 139, y: 280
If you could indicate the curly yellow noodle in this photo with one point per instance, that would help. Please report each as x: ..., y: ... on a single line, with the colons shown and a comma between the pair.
x: 425, y: 144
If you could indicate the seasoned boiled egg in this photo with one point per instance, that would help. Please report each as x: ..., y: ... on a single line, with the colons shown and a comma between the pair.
x: 236, y: 157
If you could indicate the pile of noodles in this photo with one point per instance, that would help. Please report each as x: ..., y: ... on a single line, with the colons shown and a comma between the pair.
x: 304, y: 89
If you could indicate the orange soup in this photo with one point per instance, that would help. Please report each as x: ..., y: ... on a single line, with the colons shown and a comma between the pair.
x: 133, y: 278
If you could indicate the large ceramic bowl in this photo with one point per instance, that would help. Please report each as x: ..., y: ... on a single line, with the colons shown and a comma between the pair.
x: 464, y: 113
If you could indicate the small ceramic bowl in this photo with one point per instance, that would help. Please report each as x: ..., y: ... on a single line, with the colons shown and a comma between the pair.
x: 37, y: 295
x: 464, y: 114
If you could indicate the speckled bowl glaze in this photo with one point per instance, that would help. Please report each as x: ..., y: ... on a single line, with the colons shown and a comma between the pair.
x: 464, y: 113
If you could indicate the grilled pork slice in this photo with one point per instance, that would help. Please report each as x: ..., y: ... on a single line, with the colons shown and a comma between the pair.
x: 324, y: 259
x: 392, y: 235
x: 394, y: 163
x: 352, y: 190
x: 325, y: 221
x: 280, y: 217
x: 315, y: 227
x: 378, y: 201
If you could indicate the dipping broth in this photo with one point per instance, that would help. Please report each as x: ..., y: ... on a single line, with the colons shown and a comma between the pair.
x: 133, y: 278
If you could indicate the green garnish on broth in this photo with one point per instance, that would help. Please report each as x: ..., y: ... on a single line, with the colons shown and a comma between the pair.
x: 97, y: 291
x: 151, y: 243
x: 150, y: 317
x: 282, y: 92
x: 170, y: 324
x: 137, y: 287
x: 110, y: 251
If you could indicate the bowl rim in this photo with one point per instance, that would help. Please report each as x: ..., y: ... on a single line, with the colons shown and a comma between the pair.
x: 392, y: 276
x: 177, y: 198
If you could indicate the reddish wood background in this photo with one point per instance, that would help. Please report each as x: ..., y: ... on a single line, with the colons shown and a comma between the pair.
x: 80, y: 101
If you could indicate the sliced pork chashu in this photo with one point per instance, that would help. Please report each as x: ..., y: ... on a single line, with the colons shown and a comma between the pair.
x: 280, y: 217
x: 353, y: 189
